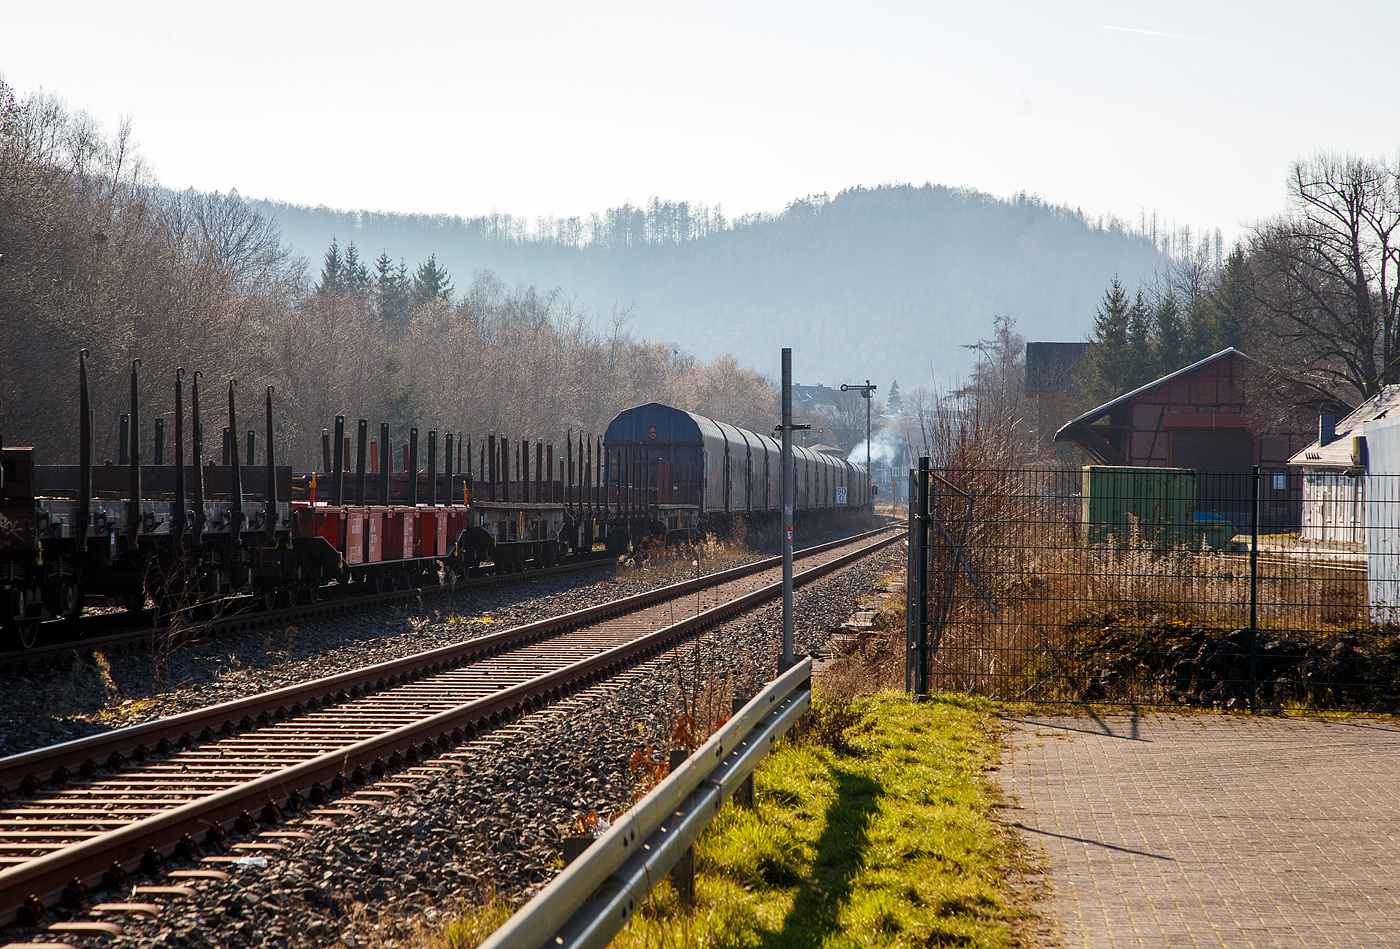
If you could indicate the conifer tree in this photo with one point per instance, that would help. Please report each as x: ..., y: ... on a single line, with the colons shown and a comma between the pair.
x: 1226, y: 304
x: 431, y: 282
x: 1140, y: 364
x: 1110, y: 354
x: 391, y: 290
x: 1169, y: 347
x: 332, y: 269
x: 354, y: 275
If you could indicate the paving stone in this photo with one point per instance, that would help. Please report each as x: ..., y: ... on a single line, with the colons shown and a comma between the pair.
x: 1211, y: 830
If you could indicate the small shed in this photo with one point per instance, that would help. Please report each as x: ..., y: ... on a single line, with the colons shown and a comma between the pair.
x: 1334, y: 494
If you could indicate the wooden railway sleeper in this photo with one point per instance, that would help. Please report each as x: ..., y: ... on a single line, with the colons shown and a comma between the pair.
x: 499, y: 716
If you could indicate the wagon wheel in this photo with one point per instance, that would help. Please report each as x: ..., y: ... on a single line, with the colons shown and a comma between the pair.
x: 27, y: 633
x: 291, y: 594
x: 291, y: 589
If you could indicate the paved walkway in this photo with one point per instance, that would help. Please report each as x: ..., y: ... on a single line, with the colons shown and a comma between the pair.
x: 1208, y: 830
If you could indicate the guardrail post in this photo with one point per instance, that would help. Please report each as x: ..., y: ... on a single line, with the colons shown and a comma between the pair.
x: 683, y: 873
x: 743, y: 795
x: 573, y: 848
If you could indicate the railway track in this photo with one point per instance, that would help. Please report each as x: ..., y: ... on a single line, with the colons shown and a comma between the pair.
x: 118, y: 630
x: 87, y: 812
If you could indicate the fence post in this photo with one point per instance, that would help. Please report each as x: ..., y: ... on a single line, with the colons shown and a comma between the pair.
x: 921, y: 605
x: 1254, y: 592
x: 911, y: 586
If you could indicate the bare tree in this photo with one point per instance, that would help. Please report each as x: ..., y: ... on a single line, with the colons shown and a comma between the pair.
x: 1326, y: 278
x: 845, y: 418
x: 919, y: 416
x: 97, y: 256
x: 995, y: 396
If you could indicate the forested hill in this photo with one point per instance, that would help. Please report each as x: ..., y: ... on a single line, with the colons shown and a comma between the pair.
x: 885, y: 283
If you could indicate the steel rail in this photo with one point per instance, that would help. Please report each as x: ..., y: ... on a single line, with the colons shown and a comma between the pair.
x: 136, y: 742
x: 594, y: 897
x: 45, y: 876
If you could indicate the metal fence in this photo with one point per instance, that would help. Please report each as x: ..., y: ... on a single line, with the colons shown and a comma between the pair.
x: 1260, y: 590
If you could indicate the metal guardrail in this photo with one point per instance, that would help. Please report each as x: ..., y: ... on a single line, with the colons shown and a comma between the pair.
x: 595, y: 896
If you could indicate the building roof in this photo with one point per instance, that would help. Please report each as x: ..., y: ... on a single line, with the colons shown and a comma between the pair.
x: 1107, y: 407
x: 1080, y: 430
x: 812, y: 396
x: 1337, y: 453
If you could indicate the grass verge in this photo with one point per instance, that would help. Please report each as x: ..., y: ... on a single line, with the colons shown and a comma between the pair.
x: 871, y: 829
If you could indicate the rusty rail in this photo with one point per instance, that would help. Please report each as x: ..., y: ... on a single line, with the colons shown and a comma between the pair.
x: 304, y: 740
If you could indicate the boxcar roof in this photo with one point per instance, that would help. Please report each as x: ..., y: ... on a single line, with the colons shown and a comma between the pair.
x: 675, y: 426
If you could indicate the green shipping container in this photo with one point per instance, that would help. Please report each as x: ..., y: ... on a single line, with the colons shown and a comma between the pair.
x: 1161, y: 500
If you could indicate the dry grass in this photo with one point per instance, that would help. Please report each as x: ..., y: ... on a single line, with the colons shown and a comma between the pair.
x: 1047, y: 587
x: 673, y: 563
x: 467, y: 928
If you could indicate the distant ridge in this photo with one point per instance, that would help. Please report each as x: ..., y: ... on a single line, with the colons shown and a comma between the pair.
x: 886, y: 282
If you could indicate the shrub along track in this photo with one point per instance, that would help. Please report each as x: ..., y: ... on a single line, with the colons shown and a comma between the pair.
x: 132, y: 796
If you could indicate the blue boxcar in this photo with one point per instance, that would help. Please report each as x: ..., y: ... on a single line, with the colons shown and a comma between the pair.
x: 736, y: 471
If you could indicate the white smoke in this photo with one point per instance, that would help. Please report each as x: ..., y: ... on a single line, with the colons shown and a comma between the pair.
x: 886, y: 448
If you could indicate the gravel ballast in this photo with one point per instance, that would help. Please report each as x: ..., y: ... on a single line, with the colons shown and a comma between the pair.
x: 490, y: 821
x: 90, y: 693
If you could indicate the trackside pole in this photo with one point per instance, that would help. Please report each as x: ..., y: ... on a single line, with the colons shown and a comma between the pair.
x: 788, y: 660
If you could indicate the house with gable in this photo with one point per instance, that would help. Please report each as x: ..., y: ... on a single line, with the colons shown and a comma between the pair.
x: 1334, y: 467
x: 1220, y: 416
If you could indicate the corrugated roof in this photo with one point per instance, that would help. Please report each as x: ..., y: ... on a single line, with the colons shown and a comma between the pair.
x: 1107, y: 406
x: 1337, y: 453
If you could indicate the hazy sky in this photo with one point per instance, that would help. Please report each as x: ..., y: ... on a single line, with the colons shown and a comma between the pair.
x: 1193, y: 109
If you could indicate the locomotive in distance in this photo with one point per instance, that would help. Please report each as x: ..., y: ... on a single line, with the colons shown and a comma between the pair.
x: 191, y: 536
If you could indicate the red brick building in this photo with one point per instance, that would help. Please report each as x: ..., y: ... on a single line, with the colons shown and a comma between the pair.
x: 1221, y: 416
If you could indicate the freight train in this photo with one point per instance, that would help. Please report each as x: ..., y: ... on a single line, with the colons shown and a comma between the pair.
x: 186, y: 536
x: 711, y: 473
